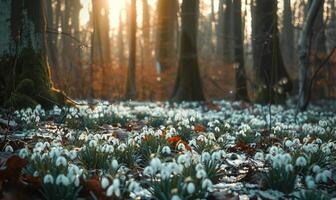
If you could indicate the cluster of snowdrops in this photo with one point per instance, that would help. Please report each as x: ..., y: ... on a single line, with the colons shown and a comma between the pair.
x: 176, y: 151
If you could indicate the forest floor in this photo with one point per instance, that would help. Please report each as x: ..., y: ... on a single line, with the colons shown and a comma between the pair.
x: 133, y: 150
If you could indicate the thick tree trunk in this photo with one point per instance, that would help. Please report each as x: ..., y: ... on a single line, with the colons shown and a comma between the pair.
x: 101, y: 42
x: 130, y: 87
x: 188, y: 85
x: 166, y: 49
x: 25, y: 76
x: 303, y: 50
x: 275, y: 83
x: 241, y: 86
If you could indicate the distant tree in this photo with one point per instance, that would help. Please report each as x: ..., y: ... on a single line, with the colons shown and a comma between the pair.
x: 227, y: 34
x: 166, y: 25
x: 24, y: 70
x: 188, y: 85
x: 130, y: 85
x: 303, y: 50
x: 146, y: 27
x: 241, y: 85
x: 101, y: 41
x: 288, y: 44
x: 271, y: 73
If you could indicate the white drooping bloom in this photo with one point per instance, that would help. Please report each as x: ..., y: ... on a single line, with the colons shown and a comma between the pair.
x: 104, y: 182
x: 175, y: 197
x: 61, y: 161
x: 23, y: 153
x: 133, y: 186
x: 155, y: 163
x: 166, y: 150
x: 48, y: 179
x: 316, y: 169
x: 9, y: 148
x: 205, y: 156
x: 259, y: 156
x: 207, y: 184
x: 301, y: 161
x: 149, y: 171
x: 62, y: 180
x: 191, y: 188
x: 114, y: 164
x: 92, y: 143
x: 310, y: 182
x: 289, y: 168
x: 201, y: 174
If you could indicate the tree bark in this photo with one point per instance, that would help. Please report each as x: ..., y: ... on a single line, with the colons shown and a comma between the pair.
x: 130, y: 87
x: 25, y: 76
x: 166, y: 49
x: 274, y: 82
x: 241, y: 86
x: 188, y: 85
x: 101, y: 42
x: 303, y: 50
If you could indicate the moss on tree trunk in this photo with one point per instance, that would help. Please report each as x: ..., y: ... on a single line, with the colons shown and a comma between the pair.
x: 24, y: 72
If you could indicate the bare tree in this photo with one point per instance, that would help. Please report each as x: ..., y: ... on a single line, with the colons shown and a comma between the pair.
x: 130, y: 87
x: 188, y: 85
x: 241, y: 86
x: 274, y: 81
x: 303, y: 50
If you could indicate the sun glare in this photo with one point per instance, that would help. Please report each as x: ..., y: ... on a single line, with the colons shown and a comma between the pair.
x: 116, y: 8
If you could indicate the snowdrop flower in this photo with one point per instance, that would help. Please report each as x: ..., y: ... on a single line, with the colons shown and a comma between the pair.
x: 205, y: 156
x: 289, y: 143
x: 181, y: 147
x: 191, y: 188
x: 48, y: 179
x: 259, y: 156
x: 104, y: 182
x: 133, y: 186
x: 301, y: 161
x: 175, y: 197
x: 289, y: 168
x: 148, y: 171
x: 113, y: 190
x: 166, y: 150
x: 114, y: 164
x: 23, y: 153
x: 122, y: 147
x: 72, y: 154
x: 207, y: 184
x: 316, y: 169
x: 323, y: 176
x: 62, y: 180
x: 201, y: 174
x: 9, y: 148
x: 61, y: 161
x: 310, y: 182
x: 92, y: 143
x: 216, y: 156
x: 155, y: 163
x: 199, y: 167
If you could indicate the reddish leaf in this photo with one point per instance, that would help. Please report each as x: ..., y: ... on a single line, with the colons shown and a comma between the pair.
x: 199, y: 128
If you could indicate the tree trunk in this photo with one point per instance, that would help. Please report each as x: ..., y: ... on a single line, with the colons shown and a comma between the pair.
x: 166, y: 49
x: 188, y: 85
x: 101, y: 42
x: 227, y: 41
x: 275, y: 83
x: 130, y: 87
x: 25, y: 76
x: 241, y: 86
x: 303, y: 50
x: 52, y: 40
x: 288, y: 35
